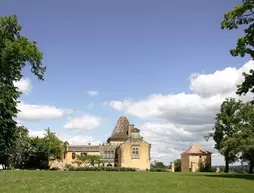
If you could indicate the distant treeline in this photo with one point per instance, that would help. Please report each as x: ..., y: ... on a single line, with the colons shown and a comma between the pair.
x: 32, y: 152
x: 233, y: 169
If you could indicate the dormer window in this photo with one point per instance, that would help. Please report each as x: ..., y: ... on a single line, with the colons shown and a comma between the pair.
x: 135, y: 133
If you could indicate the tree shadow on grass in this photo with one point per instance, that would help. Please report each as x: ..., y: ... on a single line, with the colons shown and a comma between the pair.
x: 232, y: 176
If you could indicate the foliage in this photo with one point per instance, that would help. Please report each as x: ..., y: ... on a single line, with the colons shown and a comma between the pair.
x: 88, y: 159
x: 158, y: 170
x: 234, y: 132
x: 16, y: 51
x: 22, y: 149
x: 113, y: 169
x: 204, y: 168
x: 242, y: 16
x: 55, y: 147
x: 34, y: 152
x: 225, y: 128
x: 244, y: 138
x: 177, y: 165
x: 157, y: 164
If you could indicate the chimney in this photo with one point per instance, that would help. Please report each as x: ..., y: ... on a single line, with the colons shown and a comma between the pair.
x: 131, y: 126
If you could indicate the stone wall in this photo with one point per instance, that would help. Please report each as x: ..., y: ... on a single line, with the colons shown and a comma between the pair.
x: 143, y: 162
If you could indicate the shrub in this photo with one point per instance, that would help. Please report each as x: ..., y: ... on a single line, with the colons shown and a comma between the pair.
x: 55, y: 168
x: 108, y: 169
x: 158, y: 170
x: 204, y: 168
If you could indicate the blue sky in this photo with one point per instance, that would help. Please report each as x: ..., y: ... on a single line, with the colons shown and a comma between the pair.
x: 126, y: 50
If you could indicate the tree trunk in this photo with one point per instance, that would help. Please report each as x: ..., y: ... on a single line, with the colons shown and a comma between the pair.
x: 226, y: 164
x: 251, y: 167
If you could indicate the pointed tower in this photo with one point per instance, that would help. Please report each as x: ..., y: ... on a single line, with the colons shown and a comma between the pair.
x: 121, y: 130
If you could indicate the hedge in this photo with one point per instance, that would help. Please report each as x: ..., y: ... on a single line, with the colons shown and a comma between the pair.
x: 116, y: 169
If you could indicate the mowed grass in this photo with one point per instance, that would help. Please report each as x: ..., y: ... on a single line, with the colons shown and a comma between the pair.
x: 122, y: 182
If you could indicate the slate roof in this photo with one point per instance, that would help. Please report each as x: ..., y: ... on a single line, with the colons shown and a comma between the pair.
x: 120, y: 131
x: 196, y: 149
x: 84, y: 148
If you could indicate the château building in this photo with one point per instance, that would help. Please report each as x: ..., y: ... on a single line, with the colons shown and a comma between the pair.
x: 124, y: 148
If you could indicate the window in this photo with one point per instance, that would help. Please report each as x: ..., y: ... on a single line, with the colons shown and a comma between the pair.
x: 109, y: 154
x: 73, y: 155
x: 112, y: 154
x: 106, y: 154
x: 135, y: 152
x: 83, y: 154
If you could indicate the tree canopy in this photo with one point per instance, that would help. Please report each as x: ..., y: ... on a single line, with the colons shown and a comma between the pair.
x: 233, y: 132
x: 35, y: 152
x: 242, y: 16
x: 16, y: 51
x: 224, y: 128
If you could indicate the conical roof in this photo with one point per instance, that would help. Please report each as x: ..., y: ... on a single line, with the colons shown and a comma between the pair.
x: 120, y: 131
x: 196, y: 149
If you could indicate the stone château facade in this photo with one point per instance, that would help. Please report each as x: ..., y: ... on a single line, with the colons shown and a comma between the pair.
x: 124, y: 148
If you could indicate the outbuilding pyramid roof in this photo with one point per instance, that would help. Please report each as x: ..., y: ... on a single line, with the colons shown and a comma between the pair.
x: 196, y: 149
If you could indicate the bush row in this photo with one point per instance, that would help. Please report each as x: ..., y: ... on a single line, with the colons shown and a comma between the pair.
x: 158, y: 170
x: 102, y: 169
x: 115, y: 169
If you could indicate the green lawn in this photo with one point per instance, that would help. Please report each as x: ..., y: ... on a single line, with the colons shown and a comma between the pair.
x: 122, y: 182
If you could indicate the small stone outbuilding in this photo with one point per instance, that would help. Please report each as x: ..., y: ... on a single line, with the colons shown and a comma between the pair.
x: 194, y: 158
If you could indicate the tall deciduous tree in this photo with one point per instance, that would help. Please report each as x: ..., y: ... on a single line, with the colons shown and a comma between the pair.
x: 245, y: 135
x: 22, y: 149
x: 225, y: 127
x: 16, y: 51
x: 55, y: 147
x: 242, y: 16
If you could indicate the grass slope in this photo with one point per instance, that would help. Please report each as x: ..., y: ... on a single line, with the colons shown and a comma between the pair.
x: 122, y: 182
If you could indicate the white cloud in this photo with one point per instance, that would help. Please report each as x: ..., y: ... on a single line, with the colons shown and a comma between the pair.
x: 39, y: 112
x: 72, y: 140
x: 84, y: 122
x: 169, y: 140
x: 92, y: 92
x: 177, y: 120
x: 24, y: 85
x: 35, y: 133
x: 80, y: 140
x: 221, y: 81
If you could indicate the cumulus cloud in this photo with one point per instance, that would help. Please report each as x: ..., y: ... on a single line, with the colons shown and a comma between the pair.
x: 71, y: 139
x: 84, y: 122
x: 92, y: 92
x: 170, y: 140
x: 35, y: 133
x: 24, y: 85
x: 39, y: 112
x: 80, y: 140
x: 174, y: 121
x: 221, y: 81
